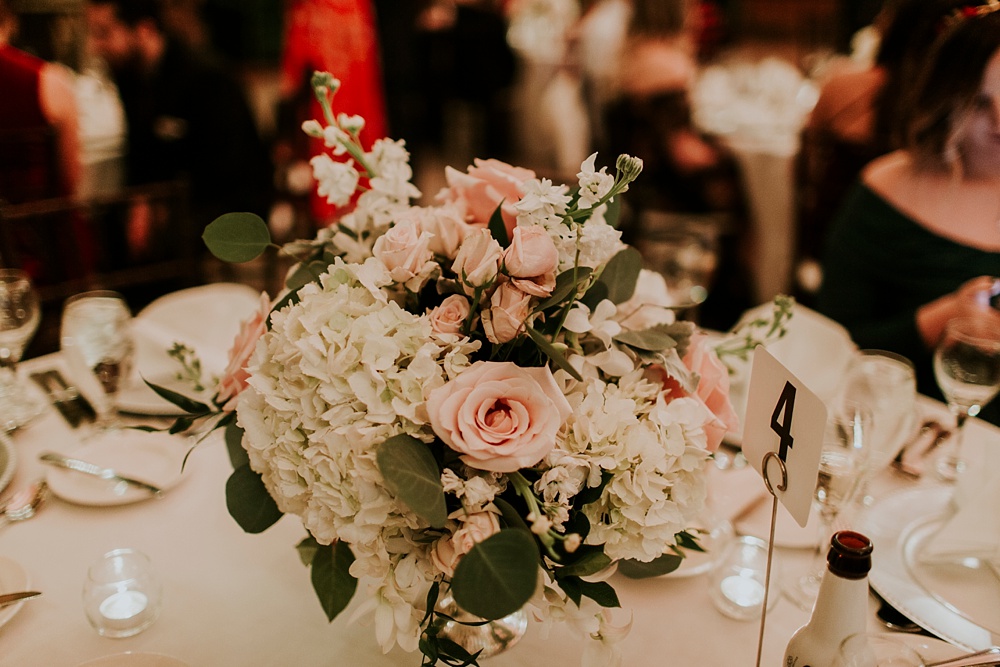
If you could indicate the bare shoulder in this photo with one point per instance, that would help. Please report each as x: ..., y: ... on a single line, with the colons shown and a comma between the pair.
x: 889, y: 174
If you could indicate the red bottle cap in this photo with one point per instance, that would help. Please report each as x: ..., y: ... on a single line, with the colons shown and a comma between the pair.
x: 850, y: 555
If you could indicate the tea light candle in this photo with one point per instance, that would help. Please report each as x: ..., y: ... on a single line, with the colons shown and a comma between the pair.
x: 121, y: 610
x: 743, y: 591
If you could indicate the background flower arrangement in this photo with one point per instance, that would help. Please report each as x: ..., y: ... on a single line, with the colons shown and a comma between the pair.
x: 486, y: 398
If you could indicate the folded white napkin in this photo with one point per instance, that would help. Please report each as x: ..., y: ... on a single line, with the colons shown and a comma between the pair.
x: 973, y: 528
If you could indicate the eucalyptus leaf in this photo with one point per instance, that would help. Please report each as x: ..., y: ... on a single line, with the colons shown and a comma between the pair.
x: 237, y: 237
x: 652, y: 340
x: 552, y: 353
x: 498, y: 575
x: 567, y: 284
x: 186, y: 404
x: 234, y: 445
x: 412, y: 475
x: 621, y: 273
x: 249, y: 502
x: 657, y: 567
x: 510, y: 515
x: 332, y: 579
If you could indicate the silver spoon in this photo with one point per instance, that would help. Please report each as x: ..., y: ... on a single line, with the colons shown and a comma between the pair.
x: 22, y: 505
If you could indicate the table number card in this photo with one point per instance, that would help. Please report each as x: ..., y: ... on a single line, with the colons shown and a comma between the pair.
x: 783, y: 416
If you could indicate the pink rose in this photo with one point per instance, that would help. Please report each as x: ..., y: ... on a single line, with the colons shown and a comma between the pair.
x: 450, y: 315
x: 478, y: 261
x: 712, y: 389
x: 531, y: 253
x: 499, y: 416
x: 405, y: 251
x: 474, y: 528
x: 509, y: 308
x: 447, y: 230
x: 234, y: 379
x: 480, y: 191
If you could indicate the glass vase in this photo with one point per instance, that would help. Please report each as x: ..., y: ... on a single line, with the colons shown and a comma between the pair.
x: 491, y: 637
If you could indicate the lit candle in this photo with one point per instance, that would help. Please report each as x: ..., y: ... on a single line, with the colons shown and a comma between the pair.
x: 743, y: 591
x: 121, y: 610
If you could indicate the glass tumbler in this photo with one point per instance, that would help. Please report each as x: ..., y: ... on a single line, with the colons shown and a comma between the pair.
x: 736, y: 585
x: 122, y: 594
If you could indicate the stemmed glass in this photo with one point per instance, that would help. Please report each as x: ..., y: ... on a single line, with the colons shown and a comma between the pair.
x: 20, y: 314
x: 843, y: 461
x: 97, y: 345
x: 875, y: 650
x: 967, y: 368
x: 684, y: 251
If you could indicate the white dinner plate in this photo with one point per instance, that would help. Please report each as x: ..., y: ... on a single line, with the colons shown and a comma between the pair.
x: 930, y: 649
x: 890, y: 523
x: 206, y: 319
x: 151, y: 457
x: 13, y: 579
x: 8, y: 462
x: 134, y: 659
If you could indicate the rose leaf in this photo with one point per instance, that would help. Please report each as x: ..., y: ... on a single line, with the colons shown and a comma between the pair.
x: 237, y: 237
x: 498, y: 575
x: 412, y: 475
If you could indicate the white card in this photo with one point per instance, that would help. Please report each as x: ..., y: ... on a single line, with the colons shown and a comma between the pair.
x: 783, y: 416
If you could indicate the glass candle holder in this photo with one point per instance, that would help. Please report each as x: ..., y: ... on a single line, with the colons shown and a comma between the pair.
x: 122, y: 594
x: 736, y: 585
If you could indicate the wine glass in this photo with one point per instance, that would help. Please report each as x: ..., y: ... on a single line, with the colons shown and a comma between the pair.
x: 967, y: 369
x: 20, y: 314
x: 886, y: 383
x: 97, y: 345
x: 684, y: 251
x: 843, y: 461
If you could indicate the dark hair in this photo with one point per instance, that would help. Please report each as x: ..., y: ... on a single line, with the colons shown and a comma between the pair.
x: 132, y: 12
x: 949, y: 83
x: 657, y: 18
x: 912, y: 26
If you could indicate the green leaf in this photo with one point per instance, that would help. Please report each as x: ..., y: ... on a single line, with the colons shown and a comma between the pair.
x: 498, y: 575
x: 657, y: 567
x: 249, y: 502
x: 598, y: 292
x: 567, y: 284
x: 591, y: 563
x: 551, y: 352
x: 237, y: 237
x: 686, y: 540
x: 332, y: 579
x: 600, y: 592
x: 234, y: 445
x: 654, y: 339
x: 180, y: 400
x: 305, y: 273
x: 510, y: 515
x: 454, y: 654
x: 307, y: 549
x: 180, y: 425
x: 613, y: 214
x: 621, y: 273
x: 571, y: 586
x: 498, y: 229
x: 412, y: 475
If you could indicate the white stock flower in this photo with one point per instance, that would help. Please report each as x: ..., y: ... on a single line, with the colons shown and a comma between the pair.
x: 594, y: 185
x: 335, y: 138
x: 351, y: 124
x: 336, y: 181
x: 542, y: 203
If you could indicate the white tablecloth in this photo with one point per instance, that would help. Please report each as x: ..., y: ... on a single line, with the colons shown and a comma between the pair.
x: 236, y: 599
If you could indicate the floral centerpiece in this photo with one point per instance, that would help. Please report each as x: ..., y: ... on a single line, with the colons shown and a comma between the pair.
x: 486, y: 398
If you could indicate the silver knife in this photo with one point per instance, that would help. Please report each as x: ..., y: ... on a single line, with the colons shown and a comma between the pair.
x: 11, y: 598
x: 88, y: 468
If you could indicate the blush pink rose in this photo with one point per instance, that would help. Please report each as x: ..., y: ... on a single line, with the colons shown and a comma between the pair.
x: 509, y: 308
x: 234, y: 379
x: 474, y: 528
x: 479, y: 191
x: 478, y: 261
x: 405, y: 251
x: 447, y: 230
x: 499, y: 416
x: 449, y: 316
x: 531, y: 253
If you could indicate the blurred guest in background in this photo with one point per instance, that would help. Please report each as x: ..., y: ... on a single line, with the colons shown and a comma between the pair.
x: 919, y: 237
x: 340, y: 37
x: 187, y: 116
x: 39, y: 137
x: 855, y: 119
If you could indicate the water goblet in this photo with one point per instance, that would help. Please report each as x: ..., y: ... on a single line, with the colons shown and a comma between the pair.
x: 97, y: 345
x: 843, y: 461
x: 875, y: 650
x: 967, y: 369
x: 886, y: 383
x: 20, y: 314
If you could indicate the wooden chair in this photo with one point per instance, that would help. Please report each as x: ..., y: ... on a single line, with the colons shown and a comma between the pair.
x: 140, y: 242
